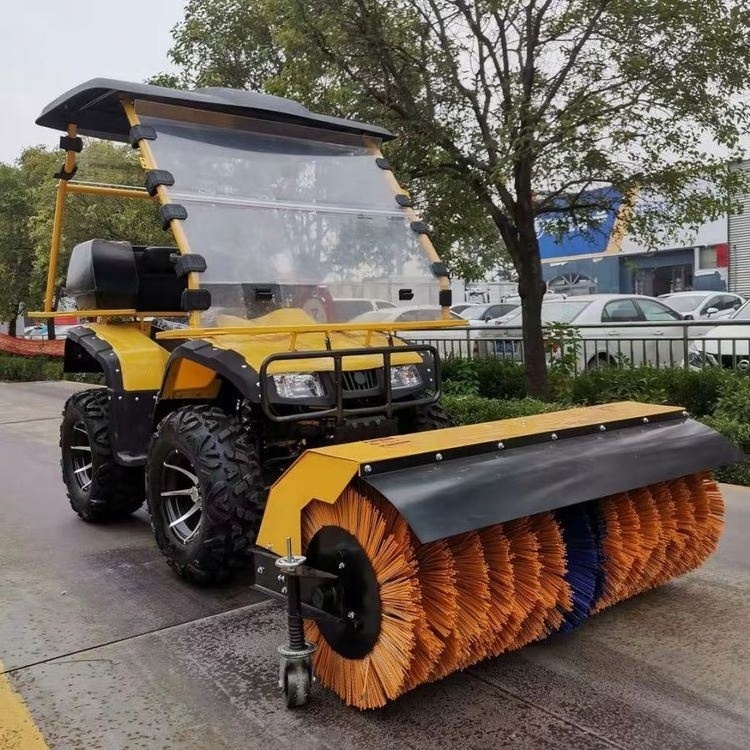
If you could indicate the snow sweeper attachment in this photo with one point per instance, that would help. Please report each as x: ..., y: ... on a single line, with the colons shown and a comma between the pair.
x: 406, y: 558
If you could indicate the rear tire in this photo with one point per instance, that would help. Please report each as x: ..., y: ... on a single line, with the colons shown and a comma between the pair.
x: 99, y: 489
x: 205, y: 493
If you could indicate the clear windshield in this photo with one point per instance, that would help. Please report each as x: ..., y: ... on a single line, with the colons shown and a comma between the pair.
x: 743, y: 313
x: 686, y: 304
x: 288, y: 217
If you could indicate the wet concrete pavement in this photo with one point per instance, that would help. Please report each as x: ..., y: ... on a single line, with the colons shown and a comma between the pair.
x: 109, y: 649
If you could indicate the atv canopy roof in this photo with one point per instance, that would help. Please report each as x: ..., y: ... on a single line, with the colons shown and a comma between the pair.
x: 95, y: 108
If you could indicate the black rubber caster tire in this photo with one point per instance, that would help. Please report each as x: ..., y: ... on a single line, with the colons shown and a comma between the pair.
x: 297, y: 684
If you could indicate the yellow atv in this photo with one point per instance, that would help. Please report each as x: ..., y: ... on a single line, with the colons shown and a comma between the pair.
x: 258, y: 423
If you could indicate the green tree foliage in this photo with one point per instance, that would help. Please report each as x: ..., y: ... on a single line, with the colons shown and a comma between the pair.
x: 16, y: 250
x: 86, y: 217
x: 510, y: 113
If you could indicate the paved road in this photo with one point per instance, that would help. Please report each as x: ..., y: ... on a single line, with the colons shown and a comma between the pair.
x: 109, y: 650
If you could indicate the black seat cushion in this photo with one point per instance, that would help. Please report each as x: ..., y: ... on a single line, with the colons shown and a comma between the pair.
x: 102, y: 275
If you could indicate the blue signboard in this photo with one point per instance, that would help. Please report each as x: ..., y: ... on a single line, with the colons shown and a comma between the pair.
x: 576, y: 241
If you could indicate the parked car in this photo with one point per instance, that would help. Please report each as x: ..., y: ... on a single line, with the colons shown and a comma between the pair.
x: 727, y: 345
x: 461, y: 306
x: 483, y: 314
x: 698, y: 305
x: 347, y: 308
x: 38, y: 332
x: 459, y: 342
x: 411, y: 313
x: 611, y: 340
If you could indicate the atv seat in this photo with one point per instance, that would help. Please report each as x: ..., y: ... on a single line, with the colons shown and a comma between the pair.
x: 115, y: 275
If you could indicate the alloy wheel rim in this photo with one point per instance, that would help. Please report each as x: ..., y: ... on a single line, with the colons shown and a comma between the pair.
x: 181, y: 497
x: 81, y: 458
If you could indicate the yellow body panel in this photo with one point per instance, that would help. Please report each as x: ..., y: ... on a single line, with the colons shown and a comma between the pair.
x: 187, y: 379
x: 142, y: 360
x: 257, y: 330
x: 399, y: 446
x: 323, y: 473
x: 313, y: 476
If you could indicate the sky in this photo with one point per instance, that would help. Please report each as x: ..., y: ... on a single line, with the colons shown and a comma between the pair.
x: 50, y: 46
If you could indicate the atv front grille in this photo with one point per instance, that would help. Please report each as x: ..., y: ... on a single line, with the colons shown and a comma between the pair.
x: 352, y: 393
x: 359, y: 380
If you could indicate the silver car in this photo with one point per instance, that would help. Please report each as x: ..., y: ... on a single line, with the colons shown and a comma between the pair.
x: 609, y: 337
x: 703, y: 305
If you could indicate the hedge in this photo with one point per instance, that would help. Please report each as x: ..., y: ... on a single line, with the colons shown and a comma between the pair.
x: 14, y: 369
x: 718, y: 398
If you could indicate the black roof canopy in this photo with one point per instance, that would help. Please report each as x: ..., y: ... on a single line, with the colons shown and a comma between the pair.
x: 95, y: 108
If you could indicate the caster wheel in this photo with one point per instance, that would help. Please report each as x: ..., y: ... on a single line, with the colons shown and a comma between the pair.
x: 297, y: 681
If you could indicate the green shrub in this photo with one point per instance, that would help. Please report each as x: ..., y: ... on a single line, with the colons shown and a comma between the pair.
x: 473, y: 409
x: 739, y: 433
x: 488, y: 377
x: 614, y: 384
x: 16, y: 369
x: 734, y: 398
x: 696, y: 391
x: 460, y: 377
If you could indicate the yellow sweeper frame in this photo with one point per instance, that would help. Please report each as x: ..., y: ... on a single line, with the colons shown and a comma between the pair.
x: 428, y: 547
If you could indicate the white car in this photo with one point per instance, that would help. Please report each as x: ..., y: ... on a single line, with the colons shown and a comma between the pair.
x: 609, y: 340
x: 478, y: 315
x: 39, y: 332
x: 347, y: 308
x: 699, y: 305
x: 458, y: 342
x: 727, y: 345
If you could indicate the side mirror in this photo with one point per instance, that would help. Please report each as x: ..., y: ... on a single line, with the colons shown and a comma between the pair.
x: 711, y: 311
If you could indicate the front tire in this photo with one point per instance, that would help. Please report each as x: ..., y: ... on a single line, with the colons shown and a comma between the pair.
x: 424, y: 418
x: 205, y: 493
x: 99, y: 489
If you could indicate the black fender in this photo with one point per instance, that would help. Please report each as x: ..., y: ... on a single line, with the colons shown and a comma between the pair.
x: 131, y: 412
x: 226, y: 365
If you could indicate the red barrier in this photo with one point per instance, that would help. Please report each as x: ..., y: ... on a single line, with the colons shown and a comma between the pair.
x: 31, y: 347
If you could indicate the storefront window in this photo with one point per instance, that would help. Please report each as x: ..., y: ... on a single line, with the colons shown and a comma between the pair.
x: 706, y: 257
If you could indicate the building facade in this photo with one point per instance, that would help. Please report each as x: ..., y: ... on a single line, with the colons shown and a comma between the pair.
x: 608, y: 261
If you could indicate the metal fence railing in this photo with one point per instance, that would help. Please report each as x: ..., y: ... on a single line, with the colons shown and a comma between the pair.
x: 685, y: 344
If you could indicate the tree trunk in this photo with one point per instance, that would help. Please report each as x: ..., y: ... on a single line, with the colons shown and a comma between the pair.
x: 12, y: 326
x: 531, y: 288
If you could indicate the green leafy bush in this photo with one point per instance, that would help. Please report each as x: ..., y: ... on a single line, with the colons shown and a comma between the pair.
x: 697, y: 391
x: 473, y: 409
x: 16, y: 369
x: 739, y: 433
x: 488, y: 377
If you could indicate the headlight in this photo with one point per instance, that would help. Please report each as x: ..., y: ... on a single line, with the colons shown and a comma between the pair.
x: 405, y: 376
x: 298, y: 385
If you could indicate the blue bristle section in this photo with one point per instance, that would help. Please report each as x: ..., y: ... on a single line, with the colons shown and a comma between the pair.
x: 582, y: 575
x: 599, y: 529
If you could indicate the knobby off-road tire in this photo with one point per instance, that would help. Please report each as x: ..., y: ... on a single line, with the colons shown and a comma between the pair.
x: 205, y: 493
x: 424, y: 418
x: 99, y: 489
